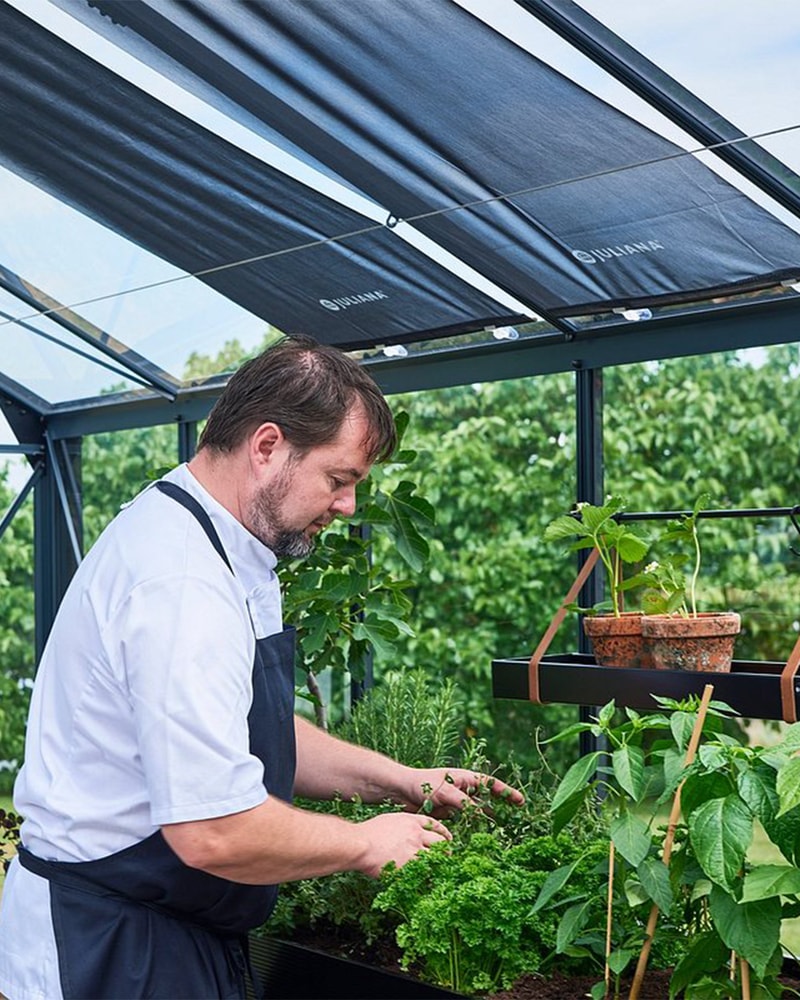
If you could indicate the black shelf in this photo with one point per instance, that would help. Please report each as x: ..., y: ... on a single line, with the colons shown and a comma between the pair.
x: 752, y: 688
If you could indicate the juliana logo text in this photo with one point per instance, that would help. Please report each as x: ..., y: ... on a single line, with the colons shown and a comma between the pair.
x: 598, y: 254
x: 346, y: 301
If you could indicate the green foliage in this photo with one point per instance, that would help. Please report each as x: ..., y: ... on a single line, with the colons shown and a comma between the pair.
x: 410, y: 717
x: 10, y: 823
x: 465, y: 912
x: 16, y: 633
x: 709, y: 893
x: 345, y: 603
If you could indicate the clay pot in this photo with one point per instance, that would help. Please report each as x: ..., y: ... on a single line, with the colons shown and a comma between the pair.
x: 617, y: 641
x: 701, y: 643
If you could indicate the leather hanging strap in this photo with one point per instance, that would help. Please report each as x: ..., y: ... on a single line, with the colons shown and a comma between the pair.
x: 788, y: 699
x: 558, y: 618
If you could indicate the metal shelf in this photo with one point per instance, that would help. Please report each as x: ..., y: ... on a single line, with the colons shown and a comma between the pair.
x: 752, y: 688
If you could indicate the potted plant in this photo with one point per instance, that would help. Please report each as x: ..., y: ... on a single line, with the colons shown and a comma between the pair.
x: 616, y: 635
x: 678, y: 635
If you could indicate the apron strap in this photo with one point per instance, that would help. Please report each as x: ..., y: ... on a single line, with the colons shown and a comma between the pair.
x: 179, y: 494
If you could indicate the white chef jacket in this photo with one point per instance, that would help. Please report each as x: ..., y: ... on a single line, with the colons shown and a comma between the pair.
x: 139, y: 712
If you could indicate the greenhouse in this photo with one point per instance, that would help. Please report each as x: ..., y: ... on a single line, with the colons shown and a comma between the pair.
x: 563, y: 238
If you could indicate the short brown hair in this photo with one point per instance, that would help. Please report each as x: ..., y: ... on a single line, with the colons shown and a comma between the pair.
x: 307, y: 389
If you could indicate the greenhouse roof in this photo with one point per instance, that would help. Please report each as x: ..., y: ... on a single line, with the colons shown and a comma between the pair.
x: 461, y: 189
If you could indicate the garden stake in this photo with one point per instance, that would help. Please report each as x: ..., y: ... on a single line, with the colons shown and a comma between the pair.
x: 607, y: 975
x: 674, y: 815
x: 745, y: 970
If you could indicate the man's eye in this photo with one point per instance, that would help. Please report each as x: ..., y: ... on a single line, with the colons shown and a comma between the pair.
x: 338, y: 483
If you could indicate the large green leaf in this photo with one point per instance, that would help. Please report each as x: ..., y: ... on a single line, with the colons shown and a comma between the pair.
x: 765, y: 881
x: 572, y: 923
x: 752, y: 930
x: 784, y: 832
x: 627, y: 763
x: 654, y: 876
x: 681, y: 724
x: 576, y: 779
x: 720, y: 831
x: 788, y: 785
x: 410, y: 514
x: 756, y: 786
x: 381, y: 634
x: 631, y: 837
x: 631, y: 547
x: 554, y: 882
x: 699, y: 788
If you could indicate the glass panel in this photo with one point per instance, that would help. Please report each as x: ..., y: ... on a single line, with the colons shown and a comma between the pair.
x: 135, y: 297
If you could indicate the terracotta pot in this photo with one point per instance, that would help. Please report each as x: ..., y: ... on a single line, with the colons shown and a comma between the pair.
x: 617, y: 640
x: 701, y: 643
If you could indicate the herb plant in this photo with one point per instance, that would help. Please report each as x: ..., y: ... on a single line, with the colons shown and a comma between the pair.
x: 591, y: 527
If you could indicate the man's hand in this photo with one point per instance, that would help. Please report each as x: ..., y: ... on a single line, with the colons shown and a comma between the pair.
x: 442, y: 791
x: 397, y: 837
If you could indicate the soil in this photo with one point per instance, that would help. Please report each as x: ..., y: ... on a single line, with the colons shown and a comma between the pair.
x: 385, y: 955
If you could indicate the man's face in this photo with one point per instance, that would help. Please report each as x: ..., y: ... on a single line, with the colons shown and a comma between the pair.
x: 305, y: 493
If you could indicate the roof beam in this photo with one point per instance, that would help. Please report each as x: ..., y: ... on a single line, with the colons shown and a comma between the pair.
x: 132, y: 362
x: 729, y: 328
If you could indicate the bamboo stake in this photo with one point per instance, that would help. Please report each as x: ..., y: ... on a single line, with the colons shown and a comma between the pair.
x: 609, y: 908
x: 674, y: 816
x: 744, y: 968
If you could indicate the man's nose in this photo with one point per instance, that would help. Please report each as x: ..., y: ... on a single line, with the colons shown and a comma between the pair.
x: 344, y: 504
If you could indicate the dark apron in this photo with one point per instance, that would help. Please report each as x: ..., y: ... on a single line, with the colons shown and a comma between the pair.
x: 140, y: 923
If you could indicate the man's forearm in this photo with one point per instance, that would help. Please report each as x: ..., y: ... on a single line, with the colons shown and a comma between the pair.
x: 327, y: 766
x: 275, y: 842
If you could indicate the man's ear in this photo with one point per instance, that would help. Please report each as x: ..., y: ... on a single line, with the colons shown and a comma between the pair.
x: 265, y: 441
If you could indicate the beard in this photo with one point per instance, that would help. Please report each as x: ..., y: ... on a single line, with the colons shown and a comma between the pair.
x: 267, y: 523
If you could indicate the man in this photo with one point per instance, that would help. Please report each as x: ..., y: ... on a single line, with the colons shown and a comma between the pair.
x: 162, y: 750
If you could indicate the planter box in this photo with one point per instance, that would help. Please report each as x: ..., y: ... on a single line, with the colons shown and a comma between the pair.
x: 295, y: 972
x: 752, y: 688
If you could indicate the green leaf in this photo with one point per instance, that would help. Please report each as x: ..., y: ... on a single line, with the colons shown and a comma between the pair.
x: 408, y: 514
x: 784, y: 832
x: 606, y: 714
x: 720, y: 832
x: 576, y: 779
x: 631, y: 547
x: 790, y: 740
x: 628, y: 766
x: 654, y: 876
x: 631, y: 837
x: 566, y: 810
x: 620, y: 958
x: 751, y: 929
x: 317, y: 628
x: 706, y: 954
x: 788, y: 785
x: 571, y: 924
x: 771, y: 880
x: 564, y: 527
x: 554, y: 882
x: 699, y: 788
x: 713, y: 757
x: 380, y: 634
x: 682, y: 724
x: 756, y: 786
x: 598, y: 990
